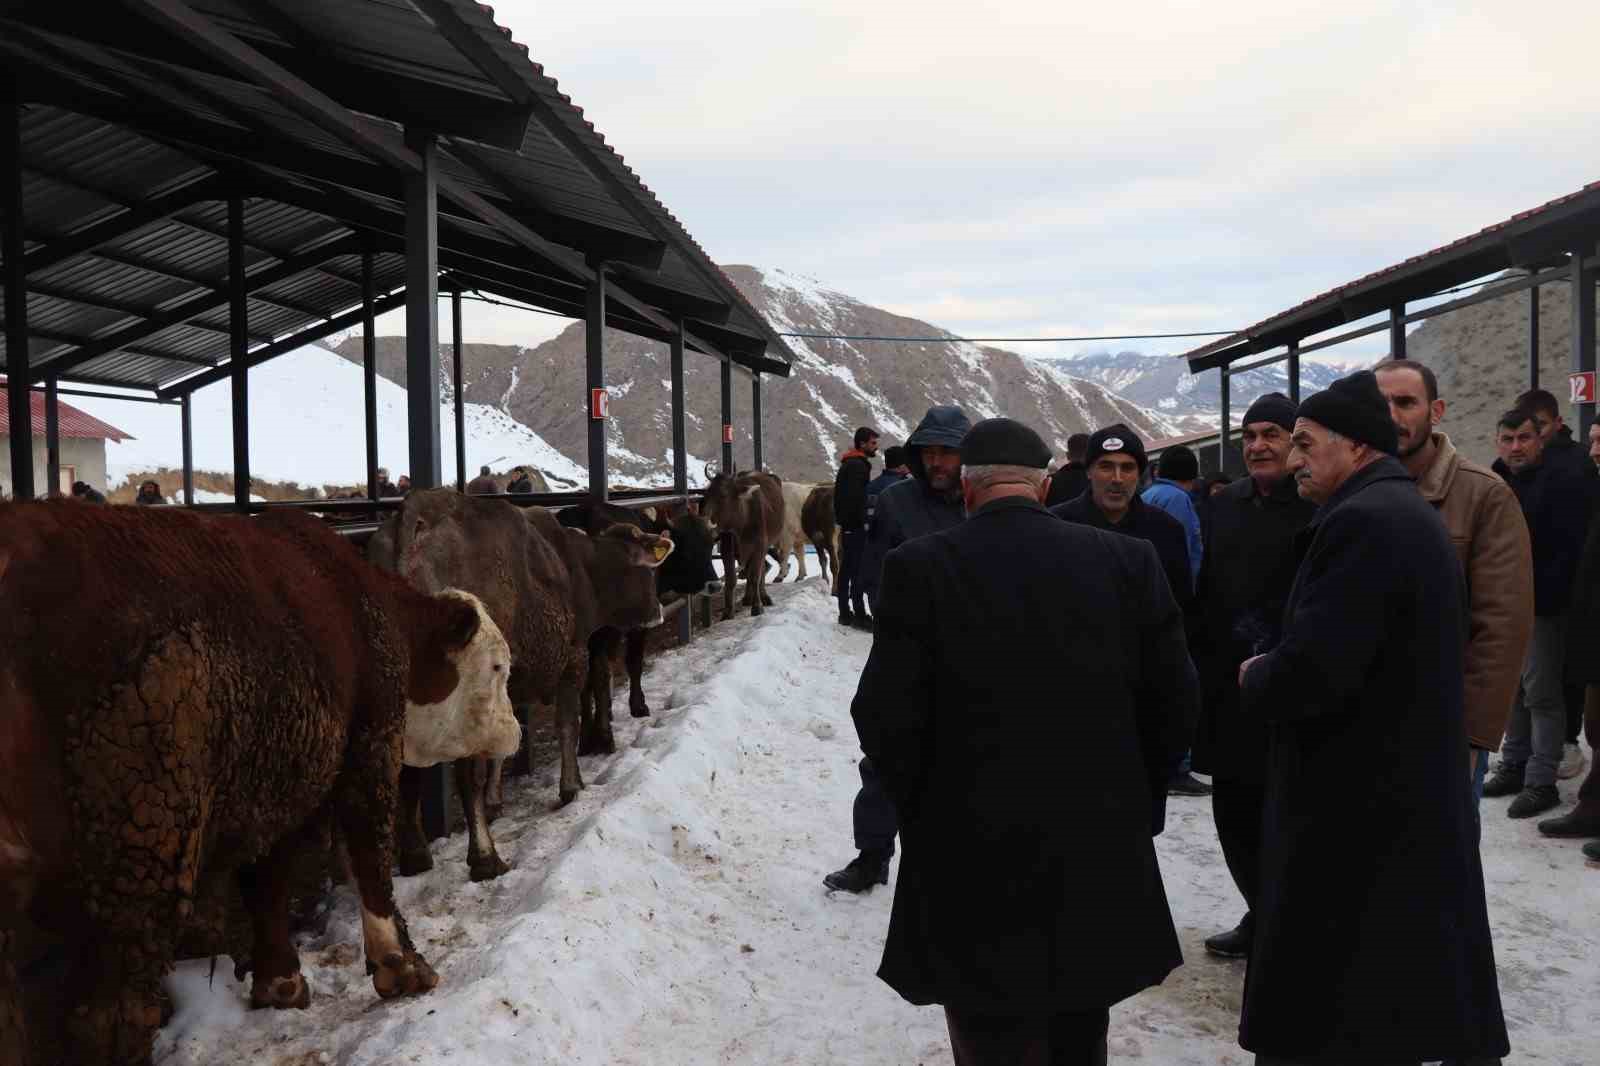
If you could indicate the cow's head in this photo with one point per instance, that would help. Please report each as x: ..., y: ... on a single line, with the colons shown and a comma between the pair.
x: 458, y: 704
x: 689, y: 570
x: 721, y: 505
x: 625, y: 562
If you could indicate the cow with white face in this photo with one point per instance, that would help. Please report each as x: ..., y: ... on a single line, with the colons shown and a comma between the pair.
x: 475, y: 719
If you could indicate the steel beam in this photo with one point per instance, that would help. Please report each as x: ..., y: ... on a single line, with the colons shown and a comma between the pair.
x: 727, y: 417
x: 460, y: 390
x: 422, y: 310
x: 186, y: 419
x: 136, y: 217
x: 755, y: 418
x: 1294, y: 371
x: 52, y: 436
x: 238, y: 345
x: 1397, y: 331
x: 1533, y: 337
x: 594, y: 339
x: 1583, y: 334
x: 680, y: 456
x: 18, y: 371
x: 1227, y: 420
x: 369, y: 373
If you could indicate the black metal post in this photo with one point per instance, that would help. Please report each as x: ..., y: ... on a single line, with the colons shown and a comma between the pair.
x: 52, y: 436
x: 1583, y: 335
x: 594, y: 340
x: 1533, y: 337
x: 755, y: 417
x: 186, y: 412
x: 422, y: 311
x: 461, y: 388
x: 369, y: 372
x: 238, y: 349
x: 727, y: 417
x: 1397, y: 331
x: 19, y: 375
x: 680, y: 458
x: 1227, y: 416
x: 1294, y: 371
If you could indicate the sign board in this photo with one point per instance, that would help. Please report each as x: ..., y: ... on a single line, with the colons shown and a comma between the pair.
x: 727, y: 433
x: 599, y: 404
x: 1582, y: 383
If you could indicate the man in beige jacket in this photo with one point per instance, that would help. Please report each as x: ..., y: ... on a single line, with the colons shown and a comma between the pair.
x: 1486, y: 525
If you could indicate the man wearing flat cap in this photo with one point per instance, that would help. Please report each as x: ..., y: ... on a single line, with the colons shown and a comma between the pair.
x: 1245, y: 576
x: 1028, y: 900
x: 1371, y: 941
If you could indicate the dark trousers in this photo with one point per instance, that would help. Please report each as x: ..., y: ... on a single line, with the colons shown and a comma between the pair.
x: 1071, y: 1038
x: 874, y: 815
x: 1574, y: 698
x: 1237, y: 807
x: 851, y: 548
x: 1275, y: 1060
x: 1589, y: 791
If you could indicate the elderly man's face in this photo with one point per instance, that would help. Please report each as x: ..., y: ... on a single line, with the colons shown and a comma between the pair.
x: 1320, y: 460
x: 1522, y: 447
x: 943, y: 466
x: 1266, y: 451
x: 1113, y: 479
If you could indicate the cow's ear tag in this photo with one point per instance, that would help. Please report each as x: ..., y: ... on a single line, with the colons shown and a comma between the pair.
x: 661, y: 551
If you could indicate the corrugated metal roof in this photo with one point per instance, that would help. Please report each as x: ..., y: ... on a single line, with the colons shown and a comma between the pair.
x: 71, y: 421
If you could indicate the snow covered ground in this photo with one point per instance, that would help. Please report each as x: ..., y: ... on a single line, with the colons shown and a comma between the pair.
x: 674, y: 913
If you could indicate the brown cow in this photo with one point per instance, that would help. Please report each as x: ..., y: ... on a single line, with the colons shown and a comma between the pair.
x: 816, y: 519
x: 182, y: 698
x: 550, y: 589
x: 748, y: 511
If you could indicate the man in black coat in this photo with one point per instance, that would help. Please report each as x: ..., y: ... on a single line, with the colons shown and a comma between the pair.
x: 1371, y: 940
x: 1583, y: 670
x: 1249, y: 532
x: 1069, y: 482
x: 1029, y: 901
x: 850, y: 514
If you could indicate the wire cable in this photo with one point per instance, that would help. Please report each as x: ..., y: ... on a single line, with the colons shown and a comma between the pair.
x: 1007, y: 340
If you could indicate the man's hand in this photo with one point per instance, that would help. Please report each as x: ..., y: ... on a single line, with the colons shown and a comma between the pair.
x: 1244, y: 667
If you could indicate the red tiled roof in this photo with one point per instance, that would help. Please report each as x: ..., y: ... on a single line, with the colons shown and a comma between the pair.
x: 74, y: 423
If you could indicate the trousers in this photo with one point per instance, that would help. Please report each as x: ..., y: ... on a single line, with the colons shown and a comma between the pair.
x: 1071, y: 1038
x: 874, y: 816
x: 1537, y: 728
x: 1237, y: 807
x: 852, y: 546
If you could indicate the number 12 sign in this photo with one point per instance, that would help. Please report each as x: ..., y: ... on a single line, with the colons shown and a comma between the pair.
x: 1582, y: 383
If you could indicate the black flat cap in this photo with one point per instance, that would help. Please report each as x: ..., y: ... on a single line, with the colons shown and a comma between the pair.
x: 1003, y: 442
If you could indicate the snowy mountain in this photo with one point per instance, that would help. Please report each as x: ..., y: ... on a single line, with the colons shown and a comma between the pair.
x: 1163, y: 382
x: 836, y: 386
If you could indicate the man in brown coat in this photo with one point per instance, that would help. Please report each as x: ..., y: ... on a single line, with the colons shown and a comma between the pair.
x: 484, y: 484
x: 1490, y: 535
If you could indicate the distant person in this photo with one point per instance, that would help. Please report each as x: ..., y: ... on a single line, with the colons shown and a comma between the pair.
x: 1491, y: 537
x: 403, y: 486
x: 520, y: 481
x: 386, y: 488
x: 1177, y: 474
x: 1215, y: 483
x: 1030, y: 900
x: 484, y: 484
x: 895, y: 470
x: 82, y: 491
x: 1070, y: 481
x: 1555, y: 506
x: 150, y: 495
x: 1372, y: 942
x: 850, y: 514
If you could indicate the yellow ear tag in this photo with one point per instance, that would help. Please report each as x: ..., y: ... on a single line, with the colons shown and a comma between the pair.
x: 661, y: 551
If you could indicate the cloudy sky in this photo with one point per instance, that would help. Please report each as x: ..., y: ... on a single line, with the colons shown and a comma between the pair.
x: 1038, y: 168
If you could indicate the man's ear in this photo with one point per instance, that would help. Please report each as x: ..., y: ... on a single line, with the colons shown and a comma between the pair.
x: 1044, y: 488
x: 1436, y: 412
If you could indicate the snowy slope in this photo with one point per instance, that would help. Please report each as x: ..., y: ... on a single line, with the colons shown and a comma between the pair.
x: 674, y: 913
x: 306, y: 426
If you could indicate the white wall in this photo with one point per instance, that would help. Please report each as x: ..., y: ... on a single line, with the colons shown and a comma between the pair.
x: 87, y: 456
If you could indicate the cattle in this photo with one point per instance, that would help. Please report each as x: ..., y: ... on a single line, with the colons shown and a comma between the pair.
x: 793, y: 539
x: 747, y: 511
x: 550, y: 588
x: 816, y: 518
x: 686, y: 572
x: 187, y: 699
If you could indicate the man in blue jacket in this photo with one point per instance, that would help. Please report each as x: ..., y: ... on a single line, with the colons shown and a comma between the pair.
x: 1177, y: 471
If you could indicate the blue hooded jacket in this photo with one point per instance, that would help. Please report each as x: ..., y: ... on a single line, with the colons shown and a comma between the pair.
x: 911, y: 509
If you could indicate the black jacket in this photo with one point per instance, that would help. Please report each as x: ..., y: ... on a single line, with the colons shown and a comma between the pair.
x: 1371, y: 935
x: 1149, y: 523
x: 1024, y: 890
x: 875, y: 488
x: 850, y: 492
x: 1556, y: 499
x: 1070, y: 482
x: 1244, y: 580
x: 1583, y: 616
x: 900, y: 513
x: 521, y: 484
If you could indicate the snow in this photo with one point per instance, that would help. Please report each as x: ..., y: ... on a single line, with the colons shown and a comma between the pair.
x: 306, y: 426
x: 674, y: 913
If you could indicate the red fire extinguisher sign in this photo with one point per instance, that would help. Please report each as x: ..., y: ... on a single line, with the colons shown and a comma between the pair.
x: 727, y: 433
x: 599, y: 404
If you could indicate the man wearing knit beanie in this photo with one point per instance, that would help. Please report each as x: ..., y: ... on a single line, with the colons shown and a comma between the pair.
x: 1371, y: 940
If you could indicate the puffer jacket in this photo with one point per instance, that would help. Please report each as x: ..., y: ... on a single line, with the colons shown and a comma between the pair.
x: 911, y: 509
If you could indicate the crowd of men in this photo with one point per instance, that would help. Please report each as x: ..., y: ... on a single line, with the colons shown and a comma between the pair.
x: 1340, y: 639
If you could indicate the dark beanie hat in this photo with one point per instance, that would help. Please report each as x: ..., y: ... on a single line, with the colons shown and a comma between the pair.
x: 1178, y: 463
x: 1354, y: 407
x: 1003, y: 442
x: 1273, y: 407
x: 1112, y: 439
x: 894, y: 455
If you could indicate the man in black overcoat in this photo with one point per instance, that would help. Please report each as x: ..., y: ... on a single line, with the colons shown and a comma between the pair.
x: 1249, y: 530
x: 1371, y: 937
x: 1029, y: 900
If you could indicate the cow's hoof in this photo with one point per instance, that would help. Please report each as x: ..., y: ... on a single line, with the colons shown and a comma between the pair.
x: 403, y: 974
x: 281, y: 993
x: 779, y: 578
x: 755, y: 612
x: 568, y: 794
x: 639, y: 708
x: 491, y: 811
x: 766, y: 601
x: 417, y: 862
x: 488, y: 869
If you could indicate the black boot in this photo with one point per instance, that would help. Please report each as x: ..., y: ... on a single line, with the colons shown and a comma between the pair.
x: 1235, y: 943
x: 1591, y: 853
x: 1582, y: 821
x: 865, y: 870
x: 846, y: 616
x: 1535, y: 799
x: 1506, y: 780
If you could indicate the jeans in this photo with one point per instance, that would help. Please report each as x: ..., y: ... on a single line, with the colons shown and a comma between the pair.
x: 1480, y: 766
x: 852, y: 546
x: 1538, y: 725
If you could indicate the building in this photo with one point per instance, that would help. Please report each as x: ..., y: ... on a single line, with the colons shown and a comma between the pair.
x: 83, y: 444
